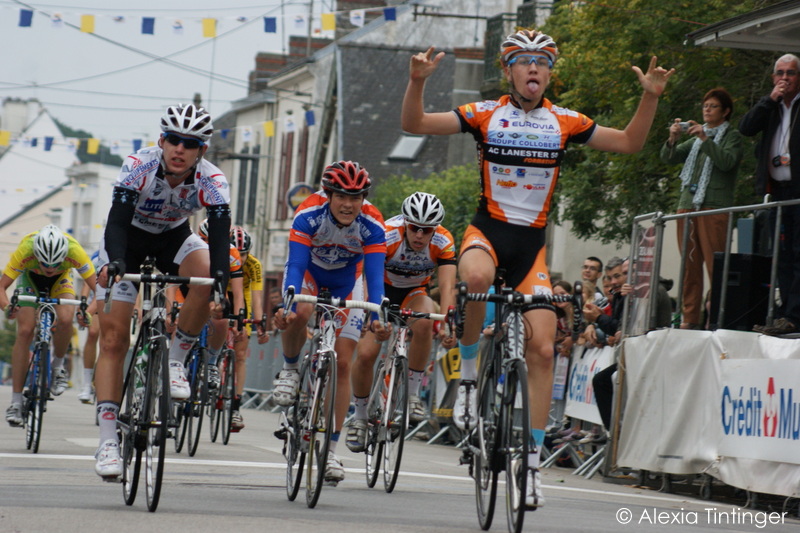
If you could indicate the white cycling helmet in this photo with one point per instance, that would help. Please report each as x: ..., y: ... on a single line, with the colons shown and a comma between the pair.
x: 528, y: 41
x: 188, y: 120
x: 423, y: 209
x: 50, y: 245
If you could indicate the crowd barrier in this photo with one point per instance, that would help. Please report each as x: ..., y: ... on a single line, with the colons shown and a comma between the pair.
x: 723, y: 403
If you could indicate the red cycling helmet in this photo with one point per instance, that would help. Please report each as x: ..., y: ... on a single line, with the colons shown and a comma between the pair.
x: 241, y: 239
x: 346, y: 177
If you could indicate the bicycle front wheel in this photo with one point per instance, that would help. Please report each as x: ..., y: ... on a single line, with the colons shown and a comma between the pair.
x: 395, y: 423
x: 297, y: 430
x: 321, y: 417
x: 516, y: 442
x: 157, y: 408
x: 128, y: 429
x: 213, y: 414
x: 35, y: 397
x: 197, y: 403
x: 483, y: 442
x: 228, y: 385
x: 373, y: 446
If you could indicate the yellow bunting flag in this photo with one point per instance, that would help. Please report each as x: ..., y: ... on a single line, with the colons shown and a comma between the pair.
x: 5, y: 137
x: 87, y: 23
x: 209, y: 28
x: 328, y: 21
x: 269, y: 128
x: 92, y: 146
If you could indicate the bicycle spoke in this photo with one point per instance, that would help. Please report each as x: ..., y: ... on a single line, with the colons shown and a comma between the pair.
x: 395, y: 423
x: 516, y: 439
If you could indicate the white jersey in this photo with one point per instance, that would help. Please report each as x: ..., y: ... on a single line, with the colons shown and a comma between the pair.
x: 161, y: 207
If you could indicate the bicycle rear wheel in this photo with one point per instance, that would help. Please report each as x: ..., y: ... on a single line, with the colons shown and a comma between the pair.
x: 181, y: 423
x: 213, y: 413
x: 485, y: 461
x: 516, y: 442
x: 373, y: 445
x: 197, y: 403
x: 228, y: 393
x: 396, y: 423
x: 34, y: 398
x: 321, y: 418
x: 297, y: 431
x: 157, y: 411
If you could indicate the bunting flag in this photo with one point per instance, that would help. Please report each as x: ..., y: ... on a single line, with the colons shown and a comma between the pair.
x: 25, y: 18
x: 328, y: 22
x: 390, y: 13
x: 247, y: 134
x: 57, y: 21
x: 148, y: 25
x: 357, y: 17
x: 114, y: 149
x: 177, y: 27
x: 269, y: 128
x: 48, y: 143
x: 310, y: 118
x: 137, y: 145
x: 87, y: 23
x: 270, y: 25
x: 34, y: 142
x: 5, y: 137
x: 224, y: 133
x: 92, y: 146
x: 289, y: 125
x: 299, y: 22
x: 209, y: 28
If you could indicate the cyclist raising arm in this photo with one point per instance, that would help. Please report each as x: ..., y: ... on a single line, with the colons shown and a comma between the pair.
x: 525, y: 134
x: 336, y: 235
x: 42, y: 263
x: 417, y: 245
x: 157, y: 190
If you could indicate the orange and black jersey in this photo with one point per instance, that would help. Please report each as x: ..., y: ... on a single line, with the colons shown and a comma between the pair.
x: 520, y: 154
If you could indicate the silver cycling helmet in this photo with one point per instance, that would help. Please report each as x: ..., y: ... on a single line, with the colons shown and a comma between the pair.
x: 188, y: 120
x: 528, y: 41
x: 50, y: 245
x: 423, y: 209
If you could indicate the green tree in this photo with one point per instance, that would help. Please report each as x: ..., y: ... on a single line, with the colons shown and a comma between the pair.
x: 598, y: 43
x: 103, y: 154
x: 457, y: 188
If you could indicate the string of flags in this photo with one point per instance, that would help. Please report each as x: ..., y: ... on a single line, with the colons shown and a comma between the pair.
x: 125, y: 147
x: 209, y: 26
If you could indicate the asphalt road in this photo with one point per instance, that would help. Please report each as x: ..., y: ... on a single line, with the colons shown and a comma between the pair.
x: 240, y: 487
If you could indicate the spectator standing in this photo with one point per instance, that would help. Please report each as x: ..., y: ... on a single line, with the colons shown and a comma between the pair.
x: 711, y: 158
x: 775, y: 117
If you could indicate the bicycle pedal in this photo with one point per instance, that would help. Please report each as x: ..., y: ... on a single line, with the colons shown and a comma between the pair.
x: 112, y: 479
x: 466, y: 458
x: 280, y: 433
x: 330, y: 483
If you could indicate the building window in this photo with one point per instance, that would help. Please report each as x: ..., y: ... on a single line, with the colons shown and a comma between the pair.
x: 407, y: 147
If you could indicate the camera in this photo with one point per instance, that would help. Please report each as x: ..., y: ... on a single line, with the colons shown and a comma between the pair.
x: 684, y: 126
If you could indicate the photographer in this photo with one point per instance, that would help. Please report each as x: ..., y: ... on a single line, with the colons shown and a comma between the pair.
x: 710, y: 158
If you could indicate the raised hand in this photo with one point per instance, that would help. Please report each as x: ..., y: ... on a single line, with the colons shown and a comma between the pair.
x: 655, y: 80
x: 423, y: 64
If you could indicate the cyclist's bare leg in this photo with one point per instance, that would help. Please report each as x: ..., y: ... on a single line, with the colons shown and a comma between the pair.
x: 26, y: 323
x: 115, y: 339
x: 295, y: 335
x: 476, y: 268
x: 195, y: 310
x: 240, y: 347
x: 218, y: 333
x: 364, y: 364
x: 539, y: 351
x: 90, y: 346
x: 344, y: 354
x: 62, y: 333
x: 419, y: 349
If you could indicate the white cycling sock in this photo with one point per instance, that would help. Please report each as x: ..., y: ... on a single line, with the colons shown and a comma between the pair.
x: 107, y: 421
x: 415, y: 381
x: 182, y: 342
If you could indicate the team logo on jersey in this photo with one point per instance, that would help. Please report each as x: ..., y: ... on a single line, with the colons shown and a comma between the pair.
x: 532, y: 137
x: 468, y: 111
x: 536, y: 187
x: 506, y: 184
x: 152, y: 205
x: 504, y: 123
x: 501, y: 170
x: 520, y: 172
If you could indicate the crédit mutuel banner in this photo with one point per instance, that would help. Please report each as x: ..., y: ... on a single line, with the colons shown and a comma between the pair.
x: 760, y: 409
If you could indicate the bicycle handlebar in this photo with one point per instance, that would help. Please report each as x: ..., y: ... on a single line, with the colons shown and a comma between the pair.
x: 44, y: 300
x: 381, y: 310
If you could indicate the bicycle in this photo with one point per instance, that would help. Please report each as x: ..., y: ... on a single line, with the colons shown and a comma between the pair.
x: 306, y: 426
x: 387, y: 406
x: 189, y: 413
x: 145, y: 415
x: 220, y: 408
x: 36, y: 391
x: 502, y: 437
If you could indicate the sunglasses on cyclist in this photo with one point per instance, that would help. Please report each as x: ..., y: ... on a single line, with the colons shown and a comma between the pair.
x: 48, y: 265
x: 190, y: 143
x: 426, y: 230
x: 525, y: 60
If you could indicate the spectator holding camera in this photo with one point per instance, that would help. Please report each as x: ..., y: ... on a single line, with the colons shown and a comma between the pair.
x: 710, y: 157
x: 775, y: 117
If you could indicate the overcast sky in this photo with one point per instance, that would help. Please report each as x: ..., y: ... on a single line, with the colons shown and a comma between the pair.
x: 116, y: 83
